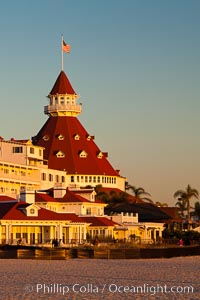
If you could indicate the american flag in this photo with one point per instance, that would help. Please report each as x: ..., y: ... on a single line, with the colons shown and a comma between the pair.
x: 65, y: 47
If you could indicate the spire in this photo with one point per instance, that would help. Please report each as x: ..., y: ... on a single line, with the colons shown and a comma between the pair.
x: 63, y: 98
x: 62, y: 85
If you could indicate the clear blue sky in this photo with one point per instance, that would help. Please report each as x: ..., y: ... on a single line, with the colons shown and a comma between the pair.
x: 136, y: 65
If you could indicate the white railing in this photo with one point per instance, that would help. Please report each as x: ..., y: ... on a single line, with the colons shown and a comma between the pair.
x: 63, y: 107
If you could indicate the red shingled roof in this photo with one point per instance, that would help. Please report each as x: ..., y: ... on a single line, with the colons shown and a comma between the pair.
x: 99, y: 221
x: 71, y: 197
x: 42, y: 197
x: 72, y: 162
x: 70, y: 127
x: 4, y: 198
x: 62, y: 85
x: 14, y: 211
x: 5, y: 208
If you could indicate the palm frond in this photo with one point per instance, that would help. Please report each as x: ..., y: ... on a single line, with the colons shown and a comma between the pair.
x: 179, y: 193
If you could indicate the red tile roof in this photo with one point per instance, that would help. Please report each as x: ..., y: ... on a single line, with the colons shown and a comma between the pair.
x: 62, y: 85
x: 5, y: 208
x: 72, y: 162
x: 42, y: 197
x: 4, y: 198
x: 173, y: 212
x: 99, y: 221
x: 14, y: 211
x: 71, y: 197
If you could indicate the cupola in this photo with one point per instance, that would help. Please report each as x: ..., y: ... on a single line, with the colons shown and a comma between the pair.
x: 63, y: 98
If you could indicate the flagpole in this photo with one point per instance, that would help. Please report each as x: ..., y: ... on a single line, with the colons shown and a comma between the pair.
x: 62, y: 54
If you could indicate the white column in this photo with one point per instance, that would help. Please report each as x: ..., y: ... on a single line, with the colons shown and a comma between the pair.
x: 60, y: 232
x: 8, y: 233
x: 70, y: 233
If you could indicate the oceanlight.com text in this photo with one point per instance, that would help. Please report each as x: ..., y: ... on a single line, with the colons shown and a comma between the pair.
x: 113, y: 288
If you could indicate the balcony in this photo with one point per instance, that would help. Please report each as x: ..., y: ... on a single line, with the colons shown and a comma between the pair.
x: 76, y: 109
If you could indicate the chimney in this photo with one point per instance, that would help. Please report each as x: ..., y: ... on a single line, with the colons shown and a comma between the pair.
x: 27, y: 196
x: 59, y: 191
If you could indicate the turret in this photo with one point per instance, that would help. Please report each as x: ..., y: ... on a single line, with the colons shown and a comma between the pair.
x: 63, y: 99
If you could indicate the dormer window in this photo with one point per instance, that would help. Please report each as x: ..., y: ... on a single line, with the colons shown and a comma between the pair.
x: 100, y: 155
x: 60, y: 154
x: 90, y: 137
x: 60, y: 137
x: 83, y: 154
x: 31, y: 210
x: 77, y: 137
x: 45, y: 137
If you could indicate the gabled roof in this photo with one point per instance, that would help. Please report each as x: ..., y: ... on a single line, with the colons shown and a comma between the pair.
x: 62, y: 85
x: 72, y: 162
x: 14, y: 211
x: 99, y: 221
x: 73, y: 197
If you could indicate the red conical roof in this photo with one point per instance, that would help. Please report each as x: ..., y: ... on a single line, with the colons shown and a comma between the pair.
x: 62, y: 85
x: 66, y: 136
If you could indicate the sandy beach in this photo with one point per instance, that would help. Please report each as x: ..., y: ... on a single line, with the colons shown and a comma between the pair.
x: 175, y: 278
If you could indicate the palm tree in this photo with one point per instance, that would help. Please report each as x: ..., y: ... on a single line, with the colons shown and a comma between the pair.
x: 110, y: 197
x: 182, y: 207
x: 139, y: 192
x: 184, y: 199
x: 101, y: 194
x: 197, y: 209
x: 118, y: 197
